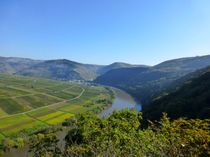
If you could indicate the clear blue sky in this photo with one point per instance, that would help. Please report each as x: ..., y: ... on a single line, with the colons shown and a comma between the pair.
x: 105, y: 31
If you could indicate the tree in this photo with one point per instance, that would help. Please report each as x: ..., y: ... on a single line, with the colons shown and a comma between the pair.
x: 45, y: 145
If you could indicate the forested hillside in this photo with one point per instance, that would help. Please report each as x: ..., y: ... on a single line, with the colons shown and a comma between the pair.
x: 191, y: 100
x: 144, y: 83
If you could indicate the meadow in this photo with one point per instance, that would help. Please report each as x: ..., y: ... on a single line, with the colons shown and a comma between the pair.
x: 29, y: 104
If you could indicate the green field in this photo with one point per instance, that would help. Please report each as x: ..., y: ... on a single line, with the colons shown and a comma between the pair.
x: 29, y: 104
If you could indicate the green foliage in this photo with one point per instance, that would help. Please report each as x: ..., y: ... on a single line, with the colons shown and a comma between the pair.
x: 44, y: 145
x: 8, y: 144
x: 121, y: 135
x: 20, y: 142
x: 186, y: 137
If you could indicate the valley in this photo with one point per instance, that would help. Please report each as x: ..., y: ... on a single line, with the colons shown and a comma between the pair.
x: 104, y: 78
x: 141, y: 81
x: 145, y: 83
x: 45, y: 98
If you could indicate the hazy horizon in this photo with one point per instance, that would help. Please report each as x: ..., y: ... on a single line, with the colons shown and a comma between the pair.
x: 93, y: 32
x: 104, y: 64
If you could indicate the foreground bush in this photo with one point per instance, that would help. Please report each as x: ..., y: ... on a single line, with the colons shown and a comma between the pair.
x: 121, y: 135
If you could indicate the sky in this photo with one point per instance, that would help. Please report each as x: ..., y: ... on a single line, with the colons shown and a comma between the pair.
x: 105, y: 31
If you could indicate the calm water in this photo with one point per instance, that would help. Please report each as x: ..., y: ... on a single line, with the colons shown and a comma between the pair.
x: 122, y: 100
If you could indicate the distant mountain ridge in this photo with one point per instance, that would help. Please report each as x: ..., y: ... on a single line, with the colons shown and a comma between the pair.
x: 11, y: 65
x: 60, y: 69
x: 144, y: 83
x: 117, y: 65
x: 187, y: 64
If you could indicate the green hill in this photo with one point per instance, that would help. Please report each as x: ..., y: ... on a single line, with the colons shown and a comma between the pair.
x: 61, y: 70
x: 146, y: 82
x: 190, y: 100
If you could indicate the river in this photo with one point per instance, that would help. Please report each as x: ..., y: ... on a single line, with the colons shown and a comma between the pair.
x: 121, y: 101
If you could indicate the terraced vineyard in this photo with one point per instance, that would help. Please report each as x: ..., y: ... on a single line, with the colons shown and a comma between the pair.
x: 29, y: 104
